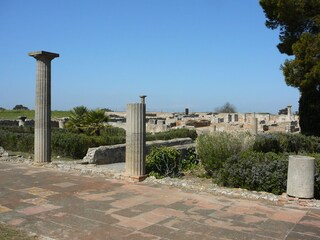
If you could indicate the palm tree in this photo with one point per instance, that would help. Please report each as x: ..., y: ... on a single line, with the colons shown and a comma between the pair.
x: 95, y: 120
x: 88, y: 121
x: 77, y: 119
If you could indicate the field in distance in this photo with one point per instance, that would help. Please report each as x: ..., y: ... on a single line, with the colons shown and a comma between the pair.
x: 14, y: 114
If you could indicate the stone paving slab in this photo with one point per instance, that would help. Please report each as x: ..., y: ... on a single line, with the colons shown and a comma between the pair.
x: 59, y: 205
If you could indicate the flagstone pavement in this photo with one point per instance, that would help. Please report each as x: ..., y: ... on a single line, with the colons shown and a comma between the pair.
x: 59, y: 205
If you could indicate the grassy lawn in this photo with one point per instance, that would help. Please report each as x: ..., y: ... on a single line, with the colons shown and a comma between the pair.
x: 14, y: 114
x: 8, y: 232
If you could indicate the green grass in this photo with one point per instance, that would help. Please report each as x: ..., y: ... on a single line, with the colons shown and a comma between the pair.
x: 10, y: 233
x: 14, y: 114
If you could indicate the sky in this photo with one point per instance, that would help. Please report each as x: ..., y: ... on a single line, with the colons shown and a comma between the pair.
x: 196, y: 54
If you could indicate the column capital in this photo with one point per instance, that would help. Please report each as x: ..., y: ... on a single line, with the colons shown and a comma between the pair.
x: 143, y: 97
x: 43, y: 55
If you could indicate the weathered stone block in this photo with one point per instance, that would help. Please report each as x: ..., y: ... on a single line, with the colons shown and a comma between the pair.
x: 117, y: 153
x: 301, y: 176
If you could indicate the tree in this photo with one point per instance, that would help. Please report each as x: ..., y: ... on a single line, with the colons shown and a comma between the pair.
x: 299, y: 24
x: 95, y: 120
x: 20, y: 107
x: 87, y: 121
x: 77, y: 117
x: 226, y: 108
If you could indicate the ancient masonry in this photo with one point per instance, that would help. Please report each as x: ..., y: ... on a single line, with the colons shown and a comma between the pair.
x: 42, y: 130
x: 301, y: 171
x: 136, y: 140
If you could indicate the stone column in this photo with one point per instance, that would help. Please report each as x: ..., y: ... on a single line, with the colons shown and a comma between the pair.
x: 300, y: 181
x: 42, y: 129
x: 289, y: 114
x: 254, y: 125
x: 136, y: 140
x: 62, y: 122
x: 22, y: 121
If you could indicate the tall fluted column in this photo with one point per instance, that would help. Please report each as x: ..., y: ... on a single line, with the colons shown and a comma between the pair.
x: 136, y: 140
x: 42, y: 129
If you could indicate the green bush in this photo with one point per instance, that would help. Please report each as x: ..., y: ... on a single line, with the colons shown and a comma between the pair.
x: 17, y: 139
x: 168, y: 162
x: 63, y: 142
x: 171, y: 134
x: 75, y: 145
x: 267, y: 143
x: 317, y: 175
x: 163, y: 162
x: 72, y: 145
x: 255, y: 171
x: 286, y: 143
x: 214, y: 149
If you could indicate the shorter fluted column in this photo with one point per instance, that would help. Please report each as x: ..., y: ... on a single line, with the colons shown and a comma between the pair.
x: 136, y: 141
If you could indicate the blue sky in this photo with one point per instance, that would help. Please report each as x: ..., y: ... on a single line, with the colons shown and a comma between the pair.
x: 198, y: 54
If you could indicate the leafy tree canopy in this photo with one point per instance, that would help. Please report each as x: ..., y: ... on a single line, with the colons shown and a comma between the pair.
x: 226, y: 108
x: 20, y: 107
x: 299, y: 24
x: 303, y: 71
x: 292, y: 18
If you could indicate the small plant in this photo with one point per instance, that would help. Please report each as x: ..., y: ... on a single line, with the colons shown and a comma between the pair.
x: 163, y: 162
x: 169, y: 162
x: 190, y: 161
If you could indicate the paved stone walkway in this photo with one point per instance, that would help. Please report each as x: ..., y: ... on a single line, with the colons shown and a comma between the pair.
x: 60, y: 205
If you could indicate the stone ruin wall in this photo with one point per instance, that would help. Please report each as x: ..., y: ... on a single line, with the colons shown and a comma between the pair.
x: 117, y: 153
x: 27, y: 123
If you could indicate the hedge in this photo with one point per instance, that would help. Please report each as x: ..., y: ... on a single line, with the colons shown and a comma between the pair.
x: 75, y: 145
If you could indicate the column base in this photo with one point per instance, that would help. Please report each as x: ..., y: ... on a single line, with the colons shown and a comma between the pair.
x: 138, y: 178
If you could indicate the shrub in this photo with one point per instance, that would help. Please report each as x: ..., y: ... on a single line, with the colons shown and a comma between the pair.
x: 267, y: 143
x: 286, y: 143
x: 255, y: 171
x: 72, y: 145
x: 317, y: 175
x: 63, y: 142
x: 163, y: 162
x: 298, y: 143
x: 168, y: 162
x: 214, y: 149
x: 75, y: 145
x: 190, y: 161
x: 17, y: 139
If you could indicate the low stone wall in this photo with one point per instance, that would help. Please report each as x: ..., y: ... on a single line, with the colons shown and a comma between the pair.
x: 28, y: 123
x: 117, y: 153
x: 9, y: 123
